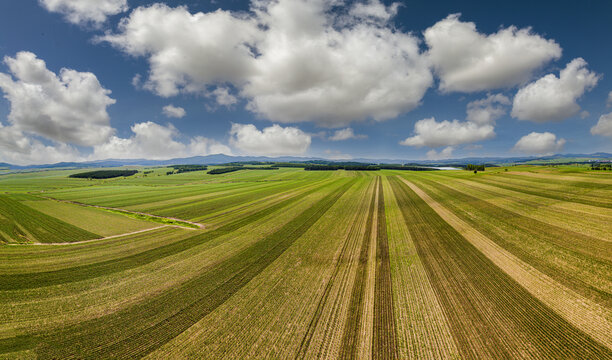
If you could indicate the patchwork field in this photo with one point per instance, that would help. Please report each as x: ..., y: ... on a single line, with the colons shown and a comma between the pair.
x: 294, y: 264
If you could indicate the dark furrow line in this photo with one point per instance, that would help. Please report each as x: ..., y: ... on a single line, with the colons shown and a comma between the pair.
x: 314, y: 321
x: 385, y: 332
x: 354, y: 322
x: 490, y: 314
x: 144, y: 331
x: 23, y: 281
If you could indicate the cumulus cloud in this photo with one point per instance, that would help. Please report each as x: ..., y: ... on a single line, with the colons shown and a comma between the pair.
x: 346, y: 134
x: 603, y: 126
x: 274, y: 140
x: 154, y: 141
x: 20, y: 149
x: 553, y: 98
x: 374, y: 10
x: 539, y: 144
x: 445, y: 153
x: 174, y: 111
x: 291, y: 60
x: 432, y: 133
x: 69, y: 108
x: 86, y: 12
x: 467, y: 60
x: 486, y: 111
x: 223, y: 97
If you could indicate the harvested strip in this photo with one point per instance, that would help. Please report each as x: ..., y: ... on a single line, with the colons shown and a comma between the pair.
x: 385, y: 336
x: 151, y: 324
x: 584, y: 314
x: 352, y: 328
x: 491, y: 315
x: 84, y: 272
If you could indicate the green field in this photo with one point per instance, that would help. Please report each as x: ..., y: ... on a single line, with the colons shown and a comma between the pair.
x: 510, y: 263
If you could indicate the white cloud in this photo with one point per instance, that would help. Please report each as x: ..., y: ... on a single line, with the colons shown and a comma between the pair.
x: 187, y: 52
x: 292, y: 60
x: 272, y: 141
x: 346, y: 134
x: 486, y: 111
x: 431, y: 133
x: 609, y: 102
x: 223, y: 97
x: 374, y: 10
x: 69, y: 108
x: 603, y: 126
x: 539, y: 144
x: 154, y: 141
x: 553, y: 98
x: 174, y: 111
x: 137, y: 81
x: 85, y: 12
x: 19, y: 149
x: 445, y: 153
x: 468, y: 61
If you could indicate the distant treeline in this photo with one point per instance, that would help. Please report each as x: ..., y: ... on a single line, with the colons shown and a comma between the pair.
x: 342, y: 167
x: 475, y: 167
x: 405, y: 167
x: 187, y: 168
x: 366, y: 167
x: 104, y: 174
x: 600, y: 166
x: 290, y: 165
x: 236, y: 168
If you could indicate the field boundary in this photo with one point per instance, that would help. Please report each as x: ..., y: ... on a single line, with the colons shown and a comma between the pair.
x: 93, y: 240
x: 576, y: 309
x: 137, y: 215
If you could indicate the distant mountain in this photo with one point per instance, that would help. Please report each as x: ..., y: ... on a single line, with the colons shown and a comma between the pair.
x: 221, y: 159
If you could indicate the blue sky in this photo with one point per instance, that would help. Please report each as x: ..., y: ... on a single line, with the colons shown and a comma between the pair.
x: 336, y: 79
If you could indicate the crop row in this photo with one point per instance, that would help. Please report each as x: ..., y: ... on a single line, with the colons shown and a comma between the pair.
x: 20, y: 223
x: 147, y: 326
x: 576, y: 260
x: 490, y: 315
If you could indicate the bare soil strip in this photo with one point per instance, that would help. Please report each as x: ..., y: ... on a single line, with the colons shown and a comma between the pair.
x: 490, y: 314
x: 385, y: 333
x: 590, y: 317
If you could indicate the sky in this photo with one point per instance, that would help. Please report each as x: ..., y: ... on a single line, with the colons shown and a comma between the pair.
x: 126, y: 79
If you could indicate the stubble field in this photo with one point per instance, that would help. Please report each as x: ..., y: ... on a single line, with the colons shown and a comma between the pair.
x: 294, y: 264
